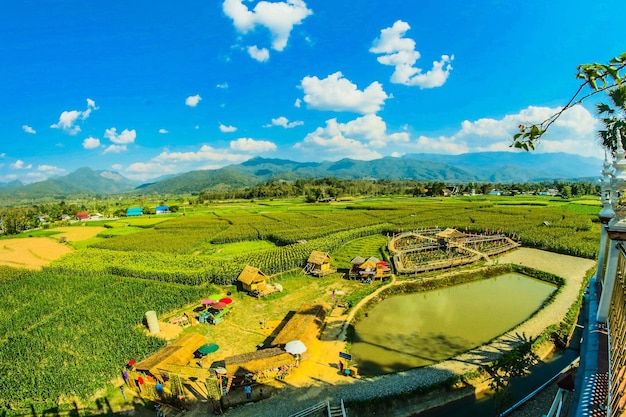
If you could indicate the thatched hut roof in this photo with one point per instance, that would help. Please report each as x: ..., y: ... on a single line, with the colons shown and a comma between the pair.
x: 257, y: 361
x: 178, y: 353
x: 251, y: 275
x: 318, y: 258
x: 450, y: 233
x: 357, y: 260
x: 304, y: 325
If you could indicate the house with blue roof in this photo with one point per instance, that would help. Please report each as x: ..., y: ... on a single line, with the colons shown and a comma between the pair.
x: 134, y: 211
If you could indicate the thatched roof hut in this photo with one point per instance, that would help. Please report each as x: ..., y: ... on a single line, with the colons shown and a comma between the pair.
x: 318, y: 264
x: 450, y: 234
x: 178, y: 353
x: 304, y: 325
x: 257, y: 361
x: 252, y: 279
x: 358, y: 260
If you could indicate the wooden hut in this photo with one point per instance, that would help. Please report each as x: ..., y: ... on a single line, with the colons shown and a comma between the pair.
x: 318, y: 264
x: 304, y: 325
x: 179, y: 353
x: 253, y: 280
x: 263, y: 363
x: 356, y: 262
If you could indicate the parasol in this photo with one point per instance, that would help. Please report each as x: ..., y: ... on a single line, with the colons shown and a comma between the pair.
x: 295, y: 347
x: 215, y: 296
x: 218, y: 306
x: 208, y: 348
x: 208, y: 301
x: 220, y: 370
x: 226, y: 300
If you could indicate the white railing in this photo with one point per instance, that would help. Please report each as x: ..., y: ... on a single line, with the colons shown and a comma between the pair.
x: 312, y: 409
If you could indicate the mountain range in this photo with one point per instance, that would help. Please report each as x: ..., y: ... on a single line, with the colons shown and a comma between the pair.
x: 492, y: 167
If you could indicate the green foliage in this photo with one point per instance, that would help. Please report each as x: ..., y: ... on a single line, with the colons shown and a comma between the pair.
x: 599, y: 78
x: 74, y: 334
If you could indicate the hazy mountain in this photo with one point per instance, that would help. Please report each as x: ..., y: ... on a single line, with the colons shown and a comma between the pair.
x: 81, y: 181
x: 503, y: 167
x: 494, y: 167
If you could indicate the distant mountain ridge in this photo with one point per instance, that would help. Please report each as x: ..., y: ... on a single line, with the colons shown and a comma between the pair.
x: 494, y: 167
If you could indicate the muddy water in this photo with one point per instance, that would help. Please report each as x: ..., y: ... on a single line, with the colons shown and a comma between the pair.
x: 413, y: 330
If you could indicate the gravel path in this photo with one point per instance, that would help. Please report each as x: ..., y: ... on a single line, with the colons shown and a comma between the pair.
x: 293, y: 399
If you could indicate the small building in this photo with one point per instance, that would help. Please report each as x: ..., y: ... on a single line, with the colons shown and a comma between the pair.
x: 162, y: 209
x: 82, y: 215
x: 369, y: 269
x: 262, y: 364
x: 134, y: 211
x: 318, y: 264
x: 178, y: 354
x: 255, y: 282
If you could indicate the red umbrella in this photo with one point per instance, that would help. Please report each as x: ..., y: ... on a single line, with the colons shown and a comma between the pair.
x: 131, y: 362
x: 218, y: 306
x: 226, y: 300
x: 208, y: 301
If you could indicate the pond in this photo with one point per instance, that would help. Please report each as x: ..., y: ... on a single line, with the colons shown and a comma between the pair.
x: 412, y: 330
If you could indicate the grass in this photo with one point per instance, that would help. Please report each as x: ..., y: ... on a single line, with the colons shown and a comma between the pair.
x: 364, y: 247
x: 231, y: 249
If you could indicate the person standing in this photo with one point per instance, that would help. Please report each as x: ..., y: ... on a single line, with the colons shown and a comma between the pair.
x: 248, y: 390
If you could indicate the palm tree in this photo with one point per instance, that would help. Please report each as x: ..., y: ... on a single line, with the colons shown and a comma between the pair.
x: 614, y: 119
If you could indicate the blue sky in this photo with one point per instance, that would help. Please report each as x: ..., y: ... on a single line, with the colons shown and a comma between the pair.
x: 149, y: 88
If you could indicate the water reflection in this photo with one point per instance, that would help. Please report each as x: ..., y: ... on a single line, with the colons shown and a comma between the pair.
x: 413, y: 330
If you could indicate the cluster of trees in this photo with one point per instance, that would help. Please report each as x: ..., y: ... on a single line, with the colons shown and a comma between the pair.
x: 15, y: 220
x: 313, y: 190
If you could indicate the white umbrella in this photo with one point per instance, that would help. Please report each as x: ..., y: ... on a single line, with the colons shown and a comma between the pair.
x: 295, y: 347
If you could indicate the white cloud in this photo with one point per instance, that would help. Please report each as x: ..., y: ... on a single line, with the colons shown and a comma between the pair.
x: 206, y: 153
x: 91, y: 143
x: 358, y: 139
x: 68, y: 119
x: 261, y: 55
x: 50, y: 169
x: 223, y: 86
x: 28, y: 129
x: 339, y: 94
x: 278, y: 17
x: 124, y: 138
x: 227, y: 129
x: 571, y: 133
x: 399, y: 52
x: 163, y: 131
x: 19, y: 164
x: 298, y: 103
x: 252, y: 146
x: 284, y: 122
x: 192, y: 101
x: 117, y: 167
x: 115, y: 149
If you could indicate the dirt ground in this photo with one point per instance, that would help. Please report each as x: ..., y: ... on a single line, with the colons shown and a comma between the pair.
x: 36, y: 252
